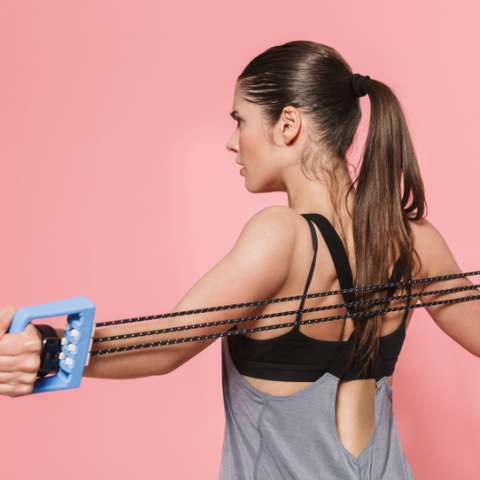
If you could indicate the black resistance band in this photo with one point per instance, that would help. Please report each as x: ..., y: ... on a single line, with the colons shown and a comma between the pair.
x: 384, y: 300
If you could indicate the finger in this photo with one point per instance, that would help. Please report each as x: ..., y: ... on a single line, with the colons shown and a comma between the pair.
x: 18, y: 343
x: 28, y: 363
x: 6, y: 377
x: 6, y: 315
x: 15, y: 390
x: 17, y: 378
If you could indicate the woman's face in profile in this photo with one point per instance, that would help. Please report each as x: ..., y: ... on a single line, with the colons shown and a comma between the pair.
x: 253, y: 150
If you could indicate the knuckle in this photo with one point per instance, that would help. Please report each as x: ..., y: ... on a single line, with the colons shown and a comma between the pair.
x: 33, y: 346
x: 28, y: 378
x: 32, y: 339
x: 6, y: 314
x: 23, y: 389
x: 15, y: 391
x: 7, y: 311
x: 32, y: 364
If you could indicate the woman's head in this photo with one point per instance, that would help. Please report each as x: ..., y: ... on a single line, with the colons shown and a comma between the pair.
x: 261, y: 150
x: 311, y: 77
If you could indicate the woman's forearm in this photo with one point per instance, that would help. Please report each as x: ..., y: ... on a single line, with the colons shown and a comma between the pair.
x: 143, y: 362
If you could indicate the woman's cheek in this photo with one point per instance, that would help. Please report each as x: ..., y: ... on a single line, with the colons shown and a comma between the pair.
x: 248, y: 145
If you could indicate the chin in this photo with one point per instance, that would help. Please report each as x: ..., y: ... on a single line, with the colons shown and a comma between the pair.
x: 252, y: 188
x: 263, y: 187
x: 260, y: 188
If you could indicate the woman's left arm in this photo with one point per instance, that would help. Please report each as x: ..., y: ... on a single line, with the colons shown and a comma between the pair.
x: 255, y: 269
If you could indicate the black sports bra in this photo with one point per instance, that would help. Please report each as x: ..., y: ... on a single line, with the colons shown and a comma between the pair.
x: 296, y: 357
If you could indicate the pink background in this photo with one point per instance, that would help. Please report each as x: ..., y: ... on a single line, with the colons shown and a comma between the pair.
x: 116, y: 185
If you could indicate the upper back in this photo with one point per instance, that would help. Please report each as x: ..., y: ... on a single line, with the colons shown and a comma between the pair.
x: 324, y: 279
x: 315, y: 346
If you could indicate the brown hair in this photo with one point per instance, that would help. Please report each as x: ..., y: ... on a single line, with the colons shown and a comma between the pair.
x: 388, y: 189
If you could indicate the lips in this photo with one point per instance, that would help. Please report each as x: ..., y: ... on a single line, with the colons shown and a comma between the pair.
x: 242, y: 169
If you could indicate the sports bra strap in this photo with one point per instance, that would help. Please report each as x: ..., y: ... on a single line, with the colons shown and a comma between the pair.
x: 310, y: 273
x: 338, y: 254
x: 397, y: 273
x: 345, y: 277
x: 340, y: 366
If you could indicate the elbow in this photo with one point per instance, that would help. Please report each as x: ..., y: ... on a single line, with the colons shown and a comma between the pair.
x: 476, y: 353
x: 171, y: 359
x: 167, y: 367
x: 473, y: 349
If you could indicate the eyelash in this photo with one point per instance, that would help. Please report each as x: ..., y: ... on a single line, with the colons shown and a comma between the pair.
x: 238, y: 120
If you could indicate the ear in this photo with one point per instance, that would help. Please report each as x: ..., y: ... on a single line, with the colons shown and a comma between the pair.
x: 289, y: 124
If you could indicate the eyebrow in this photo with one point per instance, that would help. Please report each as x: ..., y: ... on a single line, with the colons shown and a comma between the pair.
x: 233, y: 114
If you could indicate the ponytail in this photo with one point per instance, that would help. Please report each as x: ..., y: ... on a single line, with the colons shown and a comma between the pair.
x: 389, y: 193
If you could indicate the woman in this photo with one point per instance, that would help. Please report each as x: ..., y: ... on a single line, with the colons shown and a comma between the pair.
x: 312, y: 400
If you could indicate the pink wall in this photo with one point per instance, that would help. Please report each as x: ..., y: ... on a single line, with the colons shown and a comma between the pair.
x: 116, y: 184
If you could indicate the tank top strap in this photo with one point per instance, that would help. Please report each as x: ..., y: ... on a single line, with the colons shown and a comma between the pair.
x: 338, y: 254
x: 310, y: 273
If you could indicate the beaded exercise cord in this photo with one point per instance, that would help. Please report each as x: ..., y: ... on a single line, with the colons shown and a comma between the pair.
x: 385, y: 300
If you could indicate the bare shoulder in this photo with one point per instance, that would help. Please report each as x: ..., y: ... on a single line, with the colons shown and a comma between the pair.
x: 274, y: 223
x: 434, y: 253
x: 270, y: 237
x: 276, y: 216
x: 425, y: 233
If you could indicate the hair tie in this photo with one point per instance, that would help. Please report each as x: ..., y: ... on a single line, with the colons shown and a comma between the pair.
x: 359, y: 84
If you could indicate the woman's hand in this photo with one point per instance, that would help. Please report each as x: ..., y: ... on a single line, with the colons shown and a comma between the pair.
x: 19, y: 356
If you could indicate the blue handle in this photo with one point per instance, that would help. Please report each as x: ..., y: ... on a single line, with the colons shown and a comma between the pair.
x: 79, y: 332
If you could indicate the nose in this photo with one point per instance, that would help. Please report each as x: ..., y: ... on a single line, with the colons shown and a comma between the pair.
x: 232, y: 144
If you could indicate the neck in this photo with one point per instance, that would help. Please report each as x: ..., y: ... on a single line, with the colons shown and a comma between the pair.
x: 325, y: 194
x: 329, y: 196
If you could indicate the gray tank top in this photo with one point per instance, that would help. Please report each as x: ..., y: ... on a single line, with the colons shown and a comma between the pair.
x: 294, y: 437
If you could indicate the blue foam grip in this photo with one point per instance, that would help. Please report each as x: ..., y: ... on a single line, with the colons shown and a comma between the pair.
x: 80, y: 313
